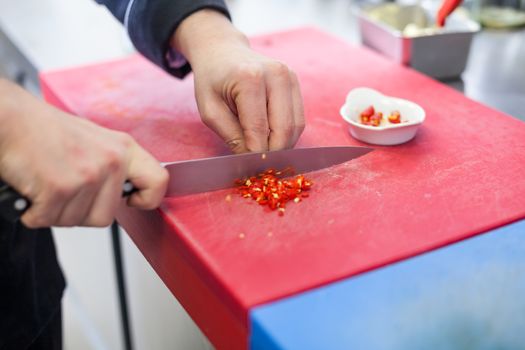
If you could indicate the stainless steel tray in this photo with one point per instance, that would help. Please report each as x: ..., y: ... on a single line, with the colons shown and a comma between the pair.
x: 438, y: 52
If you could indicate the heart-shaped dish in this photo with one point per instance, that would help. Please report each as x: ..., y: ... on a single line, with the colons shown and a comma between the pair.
x: 386, y: 134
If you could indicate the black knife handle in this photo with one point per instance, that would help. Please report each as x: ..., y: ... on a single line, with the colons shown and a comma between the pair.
x: 128, y: 189
x: 13, y: 205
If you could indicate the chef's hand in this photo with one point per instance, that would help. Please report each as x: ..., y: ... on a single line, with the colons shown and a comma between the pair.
x: 71, y: 169
x: 253, y: 102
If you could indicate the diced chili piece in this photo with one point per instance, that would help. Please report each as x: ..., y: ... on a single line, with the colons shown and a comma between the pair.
x: 370, y: 117
x: 375, y: 120
x: 268, y: 189
x: 394, y: 117
x: 366, y: 115
x: 368, y: 112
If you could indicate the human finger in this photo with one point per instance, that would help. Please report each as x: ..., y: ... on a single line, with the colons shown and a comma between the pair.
x: 218, y: 117
x: 298, y: 109
x: 250, y: 101
x: 280, y: 107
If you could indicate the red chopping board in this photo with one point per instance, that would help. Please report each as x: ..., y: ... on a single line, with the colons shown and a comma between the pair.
x: 463, y: 174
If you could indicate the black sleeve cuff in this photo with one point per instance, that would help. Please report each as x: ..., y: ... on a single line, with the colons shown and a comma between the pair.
x: 151, y: 24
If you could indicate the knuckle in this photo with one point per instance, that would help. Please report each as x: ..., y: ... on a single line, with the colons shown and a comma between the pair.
x: 29, y: 190
x: 112, y: 159
x: 293, y: 75
x: 61, y: 190
x: 106, y: 221
x: 123, y: 139
x: 90, y: 176
x: 75, y: 217
x: 70, y: 222
x: 279, y: 69
x: 36, y: 220
x: 250, y: 72
x: 208, y: 116
x: 150, y: 204
x: 236, y: 145
x: 101, y: 220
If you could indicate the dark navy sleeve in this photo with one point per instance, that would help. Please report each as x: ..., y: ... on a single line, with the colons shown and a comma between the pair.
x: 151, y: 23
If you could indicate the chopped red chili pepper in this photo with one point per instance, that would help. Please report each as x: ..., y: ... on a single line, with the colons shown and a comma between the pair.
x: 394, y: 117
x: 268, y: 189
x: 375, y: 120
x: 368, y: 112
x: 370, y: 117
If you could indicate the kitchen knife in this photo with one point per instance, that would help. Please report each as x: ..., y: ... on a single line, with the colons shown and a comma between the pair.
x: 209, y: 174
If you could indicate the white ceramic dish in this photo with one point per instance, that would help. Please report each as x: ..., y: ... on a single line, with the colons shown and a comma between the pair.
x: 386, y: 134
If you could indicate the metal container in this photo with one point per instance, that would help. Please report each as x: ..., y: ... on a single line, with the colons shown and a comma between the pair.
x: 403, y: 34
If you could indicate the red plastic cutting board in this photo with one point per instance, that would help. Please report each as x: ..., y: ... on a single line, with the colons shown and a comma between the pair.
x: 463, y: 174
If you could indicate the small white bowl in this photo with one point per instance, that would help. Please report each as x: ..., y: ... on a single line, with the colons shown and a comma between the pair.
x: 386, y: 134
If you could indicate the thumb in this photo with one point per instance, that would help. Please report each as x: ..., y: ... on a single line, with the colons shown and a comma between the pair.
x: 149, y: 177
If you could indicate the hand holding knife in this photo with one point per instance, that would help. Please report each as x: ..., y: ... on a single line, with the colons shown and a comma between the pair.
x: 13, y: 205
x: 188, y: 177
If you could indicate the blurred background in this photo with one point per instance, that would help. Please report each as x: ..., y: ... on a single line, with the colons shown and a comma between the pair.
x: 38, y: 35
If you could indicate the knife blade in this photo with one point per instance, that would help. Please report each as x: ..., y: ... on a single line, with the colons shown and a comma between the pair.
x: 210, y: 174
